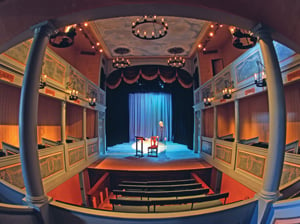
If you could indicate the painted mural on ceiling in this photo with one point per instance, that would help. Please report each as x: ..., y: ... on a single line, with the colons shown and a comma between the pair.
x: 116, y: 32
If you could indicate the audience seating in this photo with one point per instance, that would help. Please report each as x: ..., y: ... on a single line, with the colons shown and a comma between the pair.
x: 162, y: 194
x: 292, y: 147
x: 148, y: 187
x: 227, y: 138
x: 9, y: 149
x: 249, y: 141
x: 73, y: 139
x: 161, y: 182
x: 49, y: 142
x: 158, y: 205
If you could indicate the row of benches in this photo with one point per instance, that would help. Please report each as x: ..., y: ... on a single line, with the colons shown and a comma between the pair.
x: 8, y: 149
x: 163, y: 196
x: 292, y: 147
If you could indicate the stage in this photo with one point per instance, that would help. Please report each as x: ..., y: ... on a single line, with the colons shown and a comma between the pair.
x: 171, y: 157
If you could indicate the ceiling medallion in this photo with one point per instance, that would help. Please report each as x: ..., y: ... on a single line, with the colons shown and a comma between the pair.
x: 149, y: 27
x: 176, y: 61
x: 121, y: 62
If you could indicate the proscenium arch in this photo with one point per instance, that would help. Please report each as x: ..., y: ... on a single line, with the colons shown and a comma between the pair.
x: 79, y: 11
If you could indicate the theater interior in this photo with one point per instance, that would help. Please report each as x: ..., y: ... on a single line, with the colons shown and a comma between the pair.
x: 149, y: 111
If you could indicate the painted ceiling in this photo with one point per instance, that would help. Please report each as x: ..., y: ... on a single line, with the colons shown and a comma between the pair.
x: 117, y: 33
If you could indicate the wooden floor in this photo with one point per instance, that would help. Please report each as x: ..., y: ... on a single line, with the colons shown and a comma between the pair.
x: 171, y: 156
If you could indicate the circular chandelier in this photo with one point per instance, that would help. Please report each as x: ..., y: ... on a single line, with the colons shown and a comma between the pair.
x: 121, y: 62
x: 149, y: 27
x: 242, y: 39
x: 176, y: 61
x: 64, y: 37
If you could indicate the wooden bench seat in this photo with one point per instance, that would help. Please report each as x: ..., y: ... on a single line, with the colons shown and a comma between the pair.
x: 153, y: 204
x: 157, y: 194
x: 162, y: 182
x: 149, y: 187
x: 249, y: 141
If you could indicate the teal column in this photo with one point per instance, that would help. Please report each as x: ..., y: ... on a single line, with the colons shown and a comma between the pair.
x: 236, y: 121
x: 84, y: 124
x: 28, y: 114
x: 215, y: 135
x: 63, y: 122
x: 277, y: 117
x: 195, y: 142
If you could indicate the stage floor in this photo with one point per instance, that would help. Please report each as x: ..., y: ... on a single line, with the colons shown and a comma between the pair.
x: 171, y: 156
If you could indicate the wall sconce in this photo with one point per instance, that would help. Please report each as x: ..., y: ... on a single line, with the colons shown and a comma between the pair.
x: 43, y: 81
x: 207, y: 101
x: 260, y: 77
x: 73, y: 94
x: 92, y: 97
x: 227, y: 91
x: 92, y: 101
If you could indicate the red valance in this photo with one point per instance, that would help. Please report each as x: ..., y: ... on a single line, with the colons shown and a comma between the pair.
x: 132, y: 74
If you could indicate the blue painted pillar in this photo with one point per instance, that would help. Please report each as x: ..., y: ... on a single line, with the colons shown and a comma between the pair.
x: 277, y: 117
x: 28, y: 117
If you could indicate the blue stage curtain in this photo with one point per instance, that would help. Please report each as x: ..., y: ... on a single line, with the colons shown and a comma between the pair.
x: 146, y: 110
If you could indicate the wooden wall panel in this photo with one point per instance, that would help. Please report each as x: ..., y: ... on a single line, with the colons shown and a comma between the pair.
x: 79, y: 61
x: 91, y: 123
x: 68, y: 192
x: 74, y: 121
x: 92, y: 71
x: 225, y: 117
x: 229, y: 52
x: 208, y: 123
x: 9, y: 115
x: 236, y: 190
x: 254, y: 117
x: 49, y: 119
x: 206, y: 70
x: 292, y: 97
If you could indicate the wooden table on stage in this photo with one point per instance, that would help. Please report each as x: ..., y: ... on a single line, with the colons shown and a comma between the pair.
x: 137, y: 151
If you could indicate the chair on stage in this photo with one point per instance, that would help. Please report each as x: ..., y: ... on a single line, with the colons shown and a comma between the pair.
x: 153, y: 148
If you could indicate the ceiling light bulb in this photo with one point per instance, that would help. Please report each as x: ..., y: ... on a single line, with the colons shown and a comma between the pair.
x: 85, y: 24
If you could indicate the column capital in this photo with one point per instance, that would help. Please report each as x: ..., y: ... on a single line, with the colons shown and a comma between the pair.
x: 46, y: 28
x: 262, y: 31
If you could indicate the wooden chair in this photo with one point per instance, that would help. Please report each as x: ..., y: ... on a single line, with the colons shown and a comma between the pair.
x: 153, y: 148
